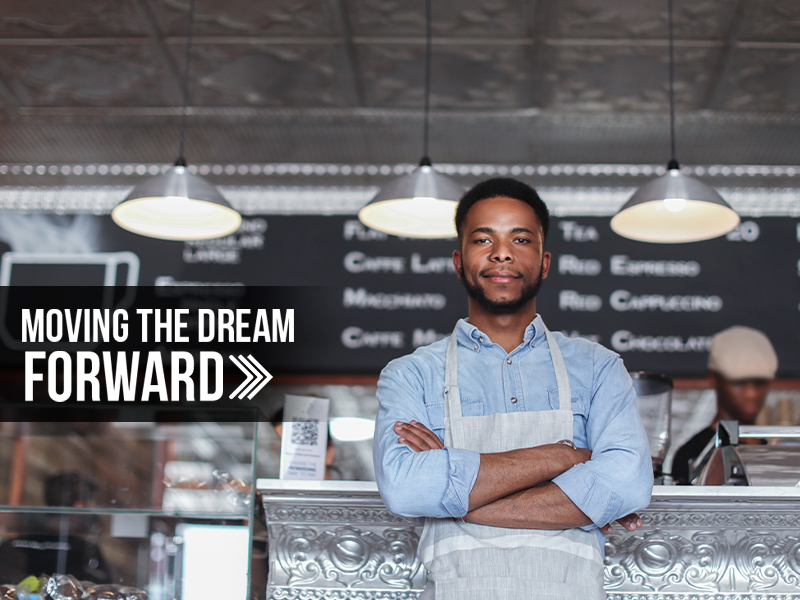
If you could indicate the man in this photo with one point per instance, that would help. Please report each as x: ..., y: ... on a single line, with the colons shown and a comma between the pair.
x: 741, y: 364
x: 478, y: 432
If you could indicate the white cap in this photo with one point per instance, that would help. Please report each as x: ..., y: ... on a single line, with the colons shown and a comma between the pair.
x: 742, y: 353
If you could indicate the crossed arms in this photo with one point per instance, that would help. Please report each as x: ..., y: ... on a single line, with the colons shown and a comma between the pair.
x: 514, y: 489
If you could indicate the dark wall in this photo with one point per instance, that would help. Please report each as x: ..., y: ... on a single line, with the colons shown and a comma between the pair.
x: 376, y: 297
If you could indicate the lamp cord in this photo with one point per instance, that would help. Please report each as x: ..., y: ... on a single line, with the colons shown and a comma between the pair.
x: 428, y: 51
x: 673, y: 163
x: 181, y: 161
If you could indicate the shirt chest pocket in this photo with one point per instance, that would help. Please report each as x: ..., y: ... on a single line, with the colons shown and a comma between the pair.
x: 579, y: 402
x: 471, y: 406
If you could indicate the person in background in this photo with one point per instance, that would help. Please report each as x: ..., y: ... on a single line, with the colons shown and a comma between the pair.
x: 741, y: 365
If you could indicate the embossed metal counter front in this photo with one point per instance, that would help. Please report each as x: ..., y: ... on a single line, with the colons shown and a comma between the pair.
x: 711, y: 542
x: 336, y: 540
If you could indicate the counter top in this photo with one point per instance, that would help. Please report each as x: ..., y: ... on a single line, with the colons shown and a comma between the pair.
x: 335, y: 540
x: 660, y: 492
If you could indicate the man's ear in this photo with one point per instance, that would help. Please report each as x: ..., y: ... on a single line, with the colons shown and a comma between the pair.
x: 546, y: 264
x: 457, y: 263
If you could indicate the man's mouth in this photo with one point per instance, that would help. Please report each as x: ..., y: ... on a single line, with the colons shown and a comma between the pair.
x: 501, y: 276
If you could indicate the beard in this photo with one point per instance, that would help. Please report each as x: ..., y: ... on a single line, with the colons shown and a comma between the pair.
x: 477, y: 293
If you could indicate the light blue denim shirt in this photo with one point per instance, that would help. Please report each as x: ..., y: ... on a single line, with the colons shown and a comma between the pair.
x: 616, y: 481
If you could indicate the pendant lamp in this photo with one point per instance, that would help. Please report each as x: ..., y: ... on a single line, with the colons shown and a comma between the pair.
x: 421, y: 204
x: 674, y: 208
x: 178, y: 205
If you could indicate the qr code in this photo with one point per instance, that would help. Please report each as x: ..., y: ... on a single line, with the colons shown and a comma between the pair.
x: 305, y: 432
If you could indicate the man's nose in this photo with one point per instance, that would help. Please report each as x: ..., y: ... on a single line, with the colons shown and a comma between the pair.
x: 752, y: 390
x: 503, y: 252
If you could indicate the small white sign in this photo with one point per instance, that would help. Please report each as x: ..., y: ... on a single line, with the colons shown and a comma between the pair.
x: 304, y: 437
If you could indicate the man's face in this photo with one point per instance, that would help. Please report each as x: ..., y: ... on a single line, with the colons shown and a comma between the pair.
x: 741, y: 399
x: 501, y: 260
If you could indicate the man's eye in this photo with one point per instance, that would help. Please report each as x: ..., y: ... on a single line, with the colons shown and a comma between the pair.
x: 523, y: 241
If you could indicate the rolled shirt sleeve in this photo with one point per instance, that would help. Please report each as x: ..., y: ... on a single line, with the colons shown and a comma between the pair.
x: 435, y: 483
x: 618, y: 480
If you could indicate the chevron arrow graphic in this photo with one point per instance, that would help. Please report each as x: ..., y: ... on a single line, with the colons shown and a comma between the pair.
x: 256, y: 376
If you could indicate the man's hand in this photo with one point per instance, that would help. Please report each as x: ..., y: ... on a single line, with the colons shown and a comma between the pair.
x: 417, y: 437
x: 631, y: 522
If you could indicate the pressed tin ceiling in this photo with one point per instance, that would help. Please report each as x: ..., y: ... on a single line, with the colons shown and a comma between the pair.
x: 340, y: 82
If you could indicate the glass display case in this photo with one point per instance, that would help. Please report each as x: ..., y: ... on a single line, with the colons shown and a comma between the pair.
x: 129, y: 502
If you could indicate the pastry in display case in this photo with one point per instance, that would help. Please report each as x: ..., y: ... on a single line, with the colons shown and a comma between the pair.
x: 129, y: 504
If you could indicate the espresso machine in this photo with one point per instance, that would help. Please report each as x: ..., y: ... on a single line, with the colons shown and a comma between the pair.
x: 728, y: 461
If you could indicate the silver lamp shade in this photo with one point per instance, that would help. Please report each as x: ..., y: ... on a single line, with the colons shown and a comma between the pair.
x: 421, y: 204
x: 673, y: 209
x: 176, y: 206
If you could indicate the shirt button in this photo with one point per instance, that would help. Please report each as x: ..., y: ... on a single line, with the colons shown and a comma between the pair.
x: 531, y: 344
x: 508, y: 360
x: 480, y: 339
x: 476, y: 346
x: 514, y: 400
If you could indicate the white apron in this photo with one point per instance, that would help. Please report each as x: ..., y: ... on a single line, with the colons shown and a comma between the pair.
x: 466, y: 561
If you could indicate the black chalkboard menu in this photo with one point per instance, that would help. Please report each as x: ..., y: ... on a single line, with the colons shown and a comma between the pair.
x: 368, y: 297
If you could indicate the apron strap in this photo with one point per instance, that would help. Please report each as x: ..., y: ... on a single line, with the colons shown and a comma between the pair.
x: 562, y: 379
x: 451, y: 362
x: 452, y: 397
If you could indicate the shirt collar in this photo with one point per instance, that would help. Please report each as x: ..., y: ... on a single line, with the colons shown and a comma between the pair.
x: 473, y: 338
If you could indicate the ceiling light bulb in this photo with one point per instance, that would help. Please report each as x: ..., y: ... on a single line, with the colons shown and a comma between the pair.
x: 674, y: 204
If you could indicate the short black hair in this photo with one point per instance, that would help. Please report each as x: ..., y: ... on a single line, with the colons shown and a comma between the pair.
x: 503, y: 187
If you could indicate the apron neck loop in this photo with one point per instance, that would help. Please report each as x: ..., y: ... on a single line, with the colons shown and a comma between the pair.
x: 451, y: 373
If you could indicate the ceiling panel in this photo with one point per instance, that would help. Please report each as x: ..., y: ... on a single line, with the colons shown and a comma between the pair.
x: 478, y: 18
x: 642, y: 19
x: 774, y: 20
x: 764, y: 80
x: 486, y: 76
x: 268, y: 75
x: 629, y: 77
x: 96, y: 75
x: 65, y: 19
x: 246, y: 17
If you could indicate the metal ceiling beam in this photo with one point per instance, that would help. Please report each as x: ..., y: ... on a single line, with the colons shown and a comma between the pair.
x: 8, y: 100
x: 713, y: 96
x: 442, y: 41
x: 161, y: 50
x: 540, y: 87
x: 623, y: 42
x: 241, y: 112
x: 349, y: 47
